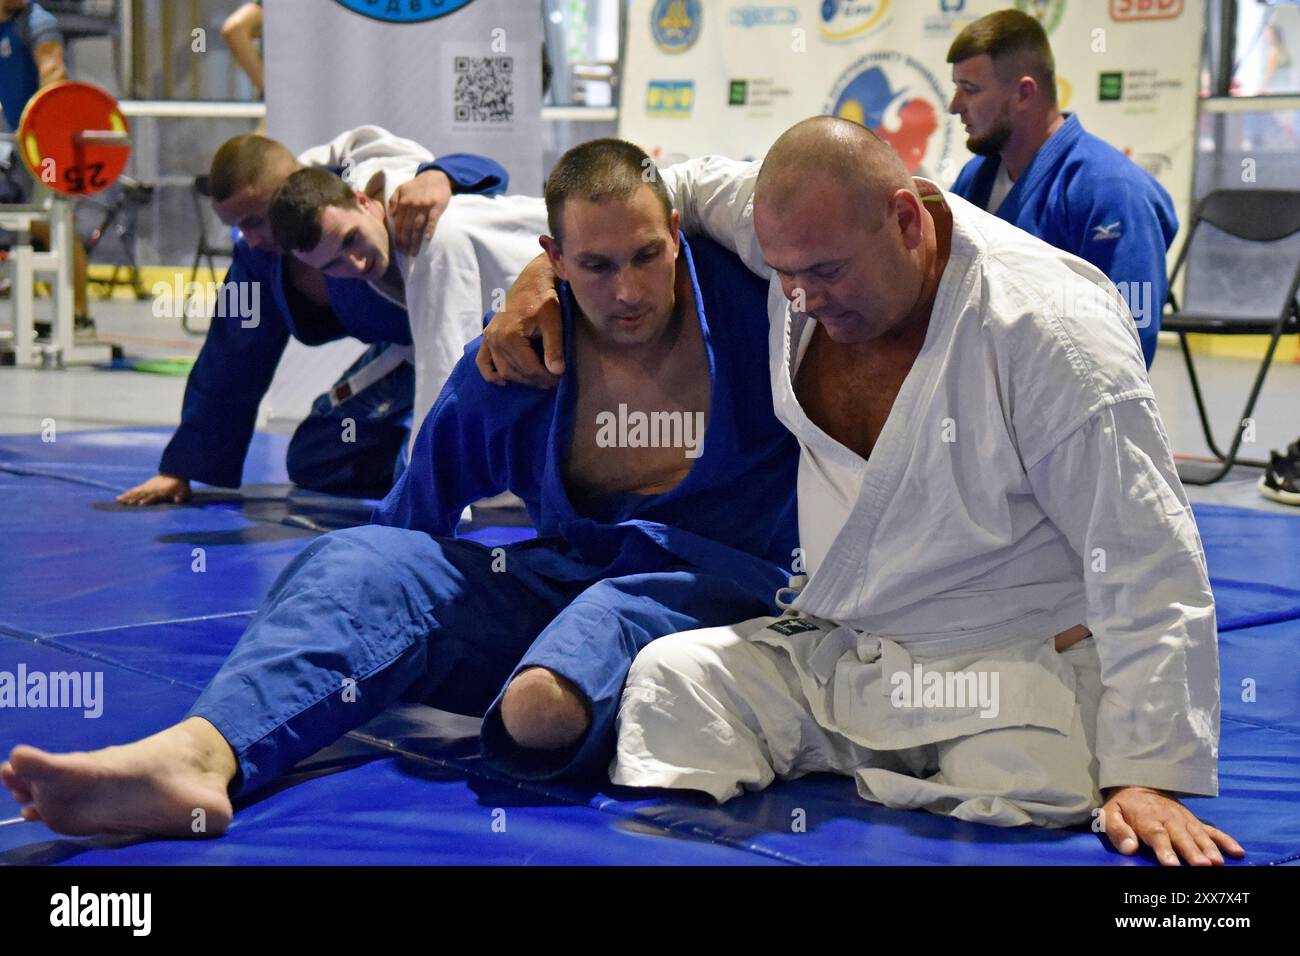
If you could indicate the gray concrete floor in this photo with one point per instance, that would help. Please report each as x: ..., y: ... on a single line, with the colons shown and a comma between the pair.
x: 85, y: 397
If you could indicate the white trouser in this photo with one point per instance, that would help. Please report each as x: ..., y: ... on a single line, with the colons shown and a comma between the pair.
x: 729, y: 709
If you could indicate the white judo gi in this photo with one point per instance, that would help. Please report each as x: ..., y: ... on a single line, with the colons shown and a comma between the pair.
x: 478, y: 249
x: 367, y: 150
x: 1022, y: 484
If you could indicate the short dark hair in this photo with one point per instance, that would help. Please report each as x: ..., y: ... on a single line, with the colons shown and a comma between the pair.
x: 244, y: 160
x: 1017, y: 45
x: 298, y: 203
x: 599, y: 170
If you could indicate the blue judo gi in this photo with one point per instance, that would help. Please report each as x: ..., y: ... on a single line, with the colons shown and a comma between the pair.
x: 1083, y: 195
x: 239, y: 357
x: 401, y: 611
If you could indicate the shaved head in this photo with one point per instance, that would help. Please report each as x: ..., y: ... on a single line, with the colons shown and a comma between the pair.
x: 863, y: 168
x: 246, y: 171
x: 842, y: 225
x: 248, y: 160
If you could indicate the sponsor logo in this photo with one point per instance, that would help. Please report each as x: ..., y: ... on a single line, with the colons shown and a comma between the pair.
x: 404, y: 11
x: 1048, y: 12
x: 675, y: 24
x: 1110, y: 230
x: 669, y: 98
x: 1110, y: 86
x: 1145, y: 9
x: 851, y: 19
x: 951, y: 19
x: 752, y: 16
x: 761, y: 93
x: 791, y: 626
x: 901, y: 101
x: 1143, y: 88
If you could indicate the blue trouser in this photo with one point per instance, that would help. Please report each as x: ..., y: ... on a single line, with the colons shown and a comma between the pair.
x: 370, y: 616
x: 363, y: 458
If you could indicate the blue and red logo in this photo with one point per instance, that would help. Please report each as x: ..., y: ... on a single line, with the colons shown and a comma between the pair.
x: 900, y: 101
x: 404, y: 11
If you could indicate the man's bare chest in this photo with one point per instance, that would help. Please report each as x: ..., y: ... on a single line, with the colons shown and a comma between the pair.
x: 639, y: 435
x: 847, y: 396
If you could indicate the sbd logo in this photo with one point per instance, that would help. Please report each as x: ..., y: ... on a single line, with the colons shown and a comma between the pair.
x: 1145, y: 9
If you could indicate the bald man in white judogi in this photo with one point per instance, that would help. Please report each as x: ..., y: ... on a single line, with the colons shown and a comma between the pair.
x: 1018, y: 494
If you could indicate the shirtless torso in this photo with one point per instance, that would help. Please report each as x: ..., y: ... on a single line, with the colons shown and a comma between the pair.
x: 670, y: 376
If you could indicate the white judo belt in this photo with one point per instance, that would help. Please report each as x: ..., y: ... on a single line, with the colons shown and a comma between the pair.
x: 352, y: 386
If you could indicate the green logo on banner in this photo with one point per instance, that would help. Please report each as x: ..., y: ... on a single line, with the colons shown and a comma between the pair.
x: 739, y: 93
x: 1110, y: 86
x: 1048, y: 12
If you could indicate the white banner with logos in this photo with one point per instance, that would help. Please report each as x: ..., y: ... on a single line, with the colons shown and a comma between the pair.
x: 728, y: 76
x: 453, y: 75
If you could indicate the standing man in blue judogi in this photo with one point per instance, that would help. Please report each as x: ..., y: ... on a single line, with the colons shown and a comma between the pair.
x: 1038, y: 169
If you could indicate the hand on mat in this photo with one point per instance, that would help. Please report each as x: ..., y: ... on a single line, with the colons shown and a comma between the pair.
x: 160, y: 488
x: 1165, y: 825
x: 416, y: 207
x: 532, y: 309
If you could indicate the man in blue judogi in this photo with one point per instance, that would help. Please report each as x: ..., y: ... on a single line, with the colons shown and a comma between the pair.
x: 1038, y: 169
x: 661, y: 485
x: 268, y: 297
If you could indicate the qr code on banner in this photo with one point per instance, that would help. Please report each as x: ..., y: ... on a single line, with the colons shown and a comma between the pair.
x: 485, y: 89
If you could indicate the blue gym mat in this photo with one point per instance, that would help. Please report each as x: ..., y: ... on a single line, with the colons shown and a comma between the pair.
x: 88, y: 585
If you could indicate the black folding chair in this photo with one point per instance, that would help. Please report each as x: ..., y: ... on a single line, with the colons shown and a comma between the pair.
x: 204, y: 249
x: 1251, y: 249
x: 120, y: 206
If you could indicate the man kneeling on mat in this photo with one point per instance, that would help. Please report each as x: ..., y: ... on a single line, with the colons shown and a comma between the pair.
x: 661, y: 485
x: 445, y: 285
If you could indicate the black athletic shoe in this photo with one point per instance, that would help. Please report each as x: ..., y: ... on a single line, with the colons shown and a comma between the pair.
x: 1281, y: 479
x: 83, y: 327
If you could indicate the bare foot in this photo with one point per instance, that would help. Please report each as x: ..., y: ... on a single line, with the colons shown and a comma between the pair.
x: 171, y: 784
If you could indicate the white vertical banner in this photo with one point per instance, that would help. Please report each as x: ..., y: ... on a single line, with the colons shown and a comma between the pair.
x: 728, y: 76
x: 453, y: 75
